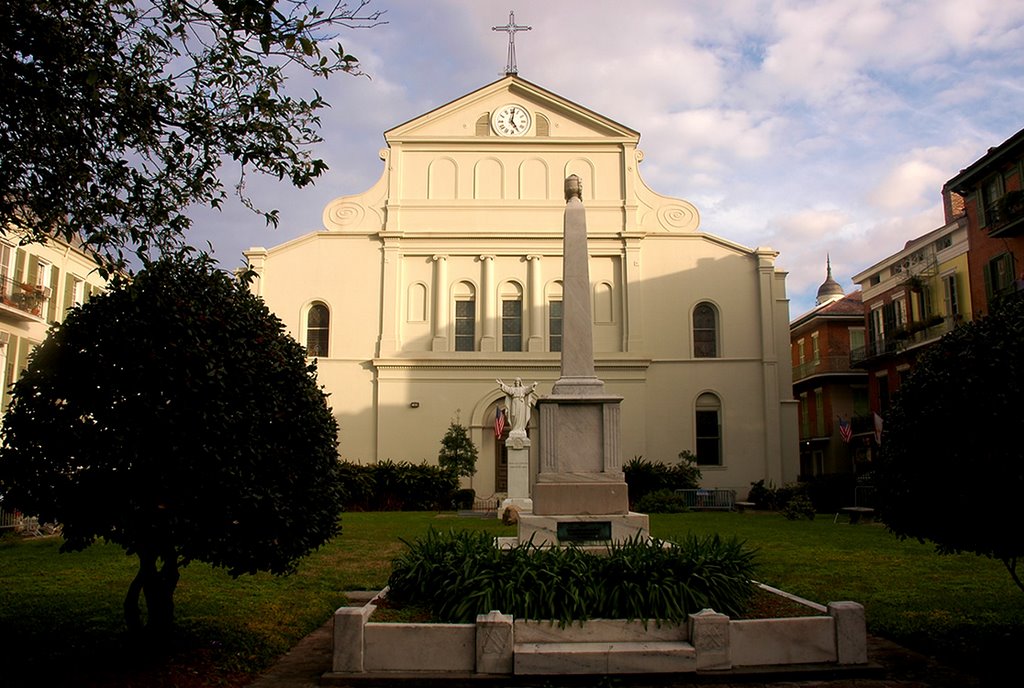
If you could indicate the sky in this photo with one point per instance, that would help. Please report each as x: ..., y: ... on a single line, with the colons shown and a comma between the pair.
x: 813, y: 127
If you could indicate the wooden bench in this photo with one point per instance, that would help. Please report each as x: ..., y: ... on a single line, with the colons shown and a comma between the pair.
x: 743, y: 506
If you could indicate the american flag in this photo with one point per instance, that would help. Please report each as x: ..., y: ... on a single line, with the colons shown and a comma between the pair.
x: 845, y: 430
x: 499, y: 422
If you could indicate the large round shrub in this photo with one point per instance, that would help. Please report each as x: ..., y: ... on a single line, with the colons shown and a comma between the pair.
x: 174, y: 416
x: 952, y: 461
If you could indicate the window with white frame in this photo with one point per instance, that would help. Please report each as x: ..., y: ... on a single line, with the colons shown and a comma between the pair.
x: 465, y: 317
x: 950, y: 295
x: 511, y: 317
x: 318, y: 330
x: 705, y: 331
x: 708, y: 429
x: 555, y: 325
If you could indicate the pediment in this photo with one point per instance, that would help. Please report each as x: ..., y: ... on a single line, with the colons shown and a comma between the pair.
x: 468, y: 117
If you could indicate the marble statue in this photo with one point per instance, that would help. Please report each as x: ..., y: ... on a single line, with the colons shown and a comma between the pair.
x: 519, y: 399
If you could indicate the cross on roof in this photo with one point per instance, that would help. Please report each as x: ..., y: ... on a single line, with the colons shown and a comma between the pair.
x: 511, y: 28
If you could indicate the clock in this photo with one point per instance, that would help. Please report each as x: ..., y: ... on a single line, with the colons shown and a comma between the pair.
x: 511, y: 120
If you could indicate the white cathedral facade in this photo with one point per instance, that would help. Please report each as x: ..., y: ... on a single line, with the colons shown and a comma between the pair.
x: 446, y: 275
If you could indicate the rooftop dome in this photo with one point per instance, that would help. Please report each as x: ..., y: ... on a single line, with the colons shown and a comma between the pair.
x: 830, y: 290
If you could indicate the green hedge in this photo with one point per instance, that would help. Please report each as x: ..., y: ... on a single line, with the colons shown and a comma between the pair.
x: 402, y: 486
x: 644, y: 476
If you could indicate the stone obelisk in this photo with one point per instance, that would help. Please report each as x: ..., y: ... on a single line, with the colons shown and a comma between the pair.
x: 580, y: 495
x: 578, y: 375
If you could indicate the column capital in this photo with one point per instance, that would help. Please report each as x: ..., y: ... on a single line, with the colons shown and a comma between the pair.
x: 439, y: 256
x: 486, y: 256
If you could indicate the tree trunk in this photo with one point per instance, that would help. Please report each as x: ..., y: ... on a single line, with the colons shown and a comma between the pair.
x: 157, y: 585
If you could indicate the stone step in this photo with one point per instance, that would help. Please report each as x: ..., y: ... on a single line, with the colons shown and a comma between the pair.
x: 605, y: 658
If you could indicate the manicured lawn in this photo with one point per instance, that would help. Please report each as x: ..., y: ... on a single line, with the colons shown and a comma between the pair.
x: 65, y: 610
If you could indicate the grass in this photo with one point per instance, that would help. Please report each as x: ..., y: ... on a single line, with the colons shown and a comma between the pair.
x: 65, y: 610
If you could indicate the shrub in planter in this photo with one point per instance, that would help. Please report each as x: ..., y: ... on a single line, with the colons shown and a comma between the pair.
x: 460, y: 574
x: 661, y: 502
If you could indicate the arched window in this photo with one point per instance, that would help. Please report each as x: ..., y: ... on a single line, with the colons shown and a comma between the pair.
x: 708, y: 429
x: 555, y: 314
x: 465, y: 317
x: 318, y: 330
x: 705, y: 331
x: 511, y: 296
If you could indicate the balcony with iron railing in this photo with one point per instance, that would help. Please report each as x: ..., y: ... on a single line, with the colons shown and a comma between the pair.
x: 22, y: 300
x: 1005, y: 217
x: 912, y: 335
x: 825, y: 365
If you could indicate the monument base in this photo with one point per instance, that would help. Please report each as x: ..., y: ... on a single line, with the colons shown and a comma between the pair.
x: 588, y: 531
x: 583, y: 497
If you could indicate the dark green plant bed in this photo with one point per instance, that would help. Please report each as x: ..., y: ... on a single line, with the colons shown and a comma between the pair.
x: 459, y: 574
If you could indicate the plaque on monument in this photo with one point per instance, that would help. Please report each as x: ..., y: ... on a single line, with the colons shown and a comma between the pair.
x: 584, y: 531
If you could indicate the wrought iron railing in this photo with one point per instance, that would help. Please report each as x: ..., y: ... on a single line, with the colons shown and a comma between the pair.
x: 708, y: 499
x: 913, y: 334
x: 824, y: 365
x: 25, y: 297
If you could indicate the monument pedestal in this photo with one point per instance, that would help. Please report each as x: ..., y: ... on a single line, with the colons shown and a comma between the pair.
x: 582, y: 530
x: 580, y: 496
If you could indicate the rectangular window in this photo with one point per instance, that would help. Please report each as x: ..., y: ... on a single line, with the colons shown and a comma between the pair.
x: 998, y: 273
x: 883, y: 393
x: 856, y: 338
x: 554, y: 326
x: 819, y: 412
x: 800, y: 355
x: 512, y: 325
x: 950, y: 294
x: 465, y: 325
x: 805, y: 416
x: 991, y: 192
x: 861, y: 406
x: 709, y: 441
x: 899, y: 309
x: 815, y: 351
x: 6, y: 270
x: 877, y: 324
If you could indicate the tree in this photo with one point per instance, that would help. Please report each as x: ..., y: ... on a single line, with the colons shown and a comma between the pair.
x: 119, y: 115
x: 174, y: 416
x: 458, y: 453
x: 952, y: 465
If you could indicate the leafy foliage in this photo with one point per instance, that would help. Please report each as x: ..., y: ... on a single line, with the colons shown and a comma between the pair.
x: 118, y: 116
x: 959, y: 409
x: 661, y: 502
x: 460, y: 574
x: 174, y: 416
x: 772, y: 498
x: 644, y: 476
x: 458, y: 453
x: 799, y: 507
x: 401, y: 486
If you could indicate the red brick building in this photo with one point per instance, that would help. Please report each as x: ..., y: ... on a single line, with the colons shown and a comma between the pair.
x: 990, y: 192
x: 826, y: 386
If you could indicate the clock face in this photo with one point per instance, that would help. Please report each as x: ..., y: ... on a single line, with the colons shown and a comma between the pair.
x: 511, y: 120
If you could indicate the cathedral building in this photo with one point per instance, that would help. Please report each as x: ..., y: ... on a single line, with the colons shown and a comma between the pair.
x: 420, y: 292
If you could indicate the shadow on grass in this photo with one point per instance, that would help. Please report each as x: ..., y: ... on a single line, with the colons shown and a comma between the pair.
x: 193, y: 654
